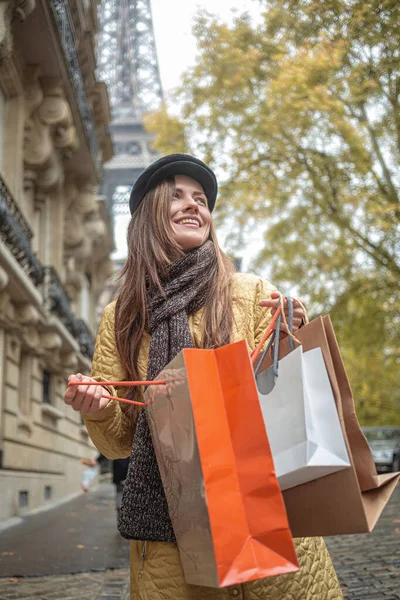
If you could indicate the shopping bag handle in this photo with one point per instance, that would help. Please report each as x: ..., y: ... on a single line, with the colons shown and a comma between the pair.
x: 269, y: 331
x: 274, y: 335
x: 125, y: 384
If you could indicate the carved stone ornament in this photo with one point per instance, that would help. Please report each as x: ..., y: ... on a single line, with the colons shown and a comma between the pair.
x: 11, y: 10
x: 26, y: 314
x: 73, y: 282
x: 95, y: 228
x: 3, y: 279
x: 50, y: 341
x: 81, y: 220
x: 74, y: 216
x: 69, y: 361
x: 31, y: 339
x: 49, y: 131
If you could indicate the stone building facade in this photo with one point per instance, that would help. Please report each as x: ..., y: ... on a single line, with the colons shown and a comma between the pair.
x: 56, y: 237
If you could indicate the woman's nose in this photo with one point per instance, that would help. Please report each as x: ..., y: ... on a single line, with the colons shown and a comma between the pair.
x: 191, y: 204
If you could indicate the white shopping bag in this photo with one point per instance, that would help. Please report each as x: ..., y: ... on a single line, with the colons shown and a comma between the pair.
x: 301, y: 419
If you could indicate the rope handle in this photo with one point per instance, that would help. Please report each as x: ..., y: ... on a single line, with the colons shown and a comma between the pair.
x: 124, y: 400
x: 271, y: 326
x: 269, y: 331
x: 124, y: 384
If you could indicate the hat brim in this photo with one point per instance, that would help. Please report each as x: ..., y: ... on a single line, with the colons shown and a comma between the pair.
x: 169, y: 166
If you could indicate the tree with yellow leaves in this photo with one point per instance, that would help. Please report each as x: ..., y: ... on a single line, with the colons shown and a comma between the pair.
x: 300, y: 114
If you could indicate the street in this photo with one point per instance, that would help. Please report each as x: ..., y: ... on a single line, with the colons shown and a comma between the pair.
x: 72, y: 551
x: 75, y: 551
x: 368, y: 565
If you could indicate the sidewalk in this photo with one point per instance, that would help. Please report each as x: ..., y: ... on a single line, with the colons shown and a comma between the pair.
x: 72, y: 551
x: 368, y: 565
x: 108, y: 585
x: 79, y: 536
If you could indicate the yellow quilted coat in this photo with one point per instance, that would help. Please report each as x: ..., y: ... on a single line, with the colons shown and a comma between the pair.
x: 156, y: 573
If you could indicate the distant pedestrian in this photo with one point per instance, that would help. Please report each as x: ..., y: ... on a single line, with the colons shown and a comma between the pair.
x: 89, y: 475
x: 179, y: 290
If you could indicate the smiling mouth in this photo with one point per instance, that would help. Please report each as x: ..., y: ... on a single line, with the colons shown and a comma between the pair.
x: 189, y: 223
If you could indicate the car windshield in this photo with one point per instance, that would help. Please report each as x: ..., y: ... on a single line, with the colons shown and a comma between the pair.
x: 382, y: 433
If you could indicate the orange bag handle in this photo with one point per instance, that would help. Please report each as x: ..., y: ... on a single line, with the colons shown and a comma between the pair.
x: 269, y: 331
x: 122, y: 384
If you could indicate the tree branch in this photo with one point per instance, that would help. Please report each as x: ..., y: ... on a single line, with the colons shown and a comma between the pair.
x: 379, y: 254
x: 387, y: 175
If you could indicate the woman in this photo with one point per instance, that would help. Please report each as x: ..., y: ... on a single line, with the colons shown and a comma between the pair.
x: 179, y: 290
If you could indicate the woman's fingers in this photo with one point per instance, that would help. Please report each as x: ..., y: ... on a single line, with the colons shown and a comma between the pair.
x: 298, y: 312
x: 274, y: 302
x: 80, y: 394
x: 98, y: 402
x: 296, y: 325
x: 85, y: 398
x: 269, y: 302
x: 70, y: 392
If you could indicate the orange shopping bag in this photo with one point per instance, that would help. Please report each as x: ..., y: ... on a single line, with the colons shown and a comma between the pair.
x: 217, y: 470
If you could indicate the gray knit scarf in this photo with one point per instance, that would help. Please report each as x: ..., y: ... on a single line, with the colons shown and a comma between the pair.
x: 144, y: 510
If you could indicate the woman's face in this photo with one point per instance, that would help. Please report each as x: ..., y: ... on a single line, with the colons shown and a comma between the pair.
x: 189, y: 212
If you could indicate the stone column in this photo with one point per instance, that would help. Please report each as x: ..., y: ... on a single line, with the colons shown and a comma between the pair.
x: 3, y: 285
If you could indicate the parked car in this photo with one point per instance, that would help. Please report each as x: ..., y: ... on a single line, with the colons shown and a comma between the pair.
x: 384, y: 443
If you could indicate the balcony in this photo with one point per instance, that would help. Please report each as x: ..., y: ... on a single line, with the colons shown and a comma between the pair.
x: 85, y: 338
x: 16, y: 235
x: 65, y: 27
x: 58, y: 302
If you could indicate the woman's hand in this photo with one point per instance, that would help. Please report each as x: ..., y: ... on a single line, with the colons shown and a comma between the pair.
x: 298, y: 312
x: 85, y: 398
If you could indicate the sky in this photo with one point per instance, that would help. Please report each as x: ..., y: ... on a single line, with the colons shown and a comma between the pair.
x: 172, y: 22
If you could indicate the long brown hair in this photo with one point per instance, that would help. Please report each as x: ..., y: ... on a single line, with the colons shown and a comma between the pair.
x: 151, y: 248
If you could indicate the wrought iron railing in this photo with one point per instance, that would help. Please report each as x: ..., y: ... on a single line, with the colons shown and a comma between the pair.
x: 16, y: 235
x: 65, y: 28
x: 86, y: 341
x: 58, y: 302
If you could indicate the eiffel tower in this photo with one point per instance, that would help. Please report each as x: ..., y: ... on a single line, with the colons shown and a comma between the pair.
x: 128, y: 64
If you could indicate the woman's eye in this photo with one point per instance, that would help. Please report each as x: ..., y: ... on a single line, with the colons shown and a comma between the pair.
x: 202, y: 200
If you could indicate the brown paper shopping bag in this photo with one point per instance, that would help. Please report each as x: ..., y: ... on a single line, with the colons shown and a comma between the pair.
x: 351, y: 500
x: 212, y: 450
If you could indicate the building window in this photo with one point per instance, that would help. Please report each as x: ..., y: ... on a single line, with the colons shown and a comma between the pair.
x: 2, y: 120
x: 46, y: 387
x: 48, y: 492
x: 23, y: 498
x: 25, y: 382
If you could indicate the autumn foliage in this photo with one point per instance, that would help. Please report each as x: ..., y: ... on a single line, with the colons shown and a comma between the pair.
x: 298, y: 111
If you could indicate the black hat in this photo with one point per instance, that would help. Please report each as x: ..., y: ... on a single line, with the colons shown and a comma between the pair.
x: 168, y: 166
